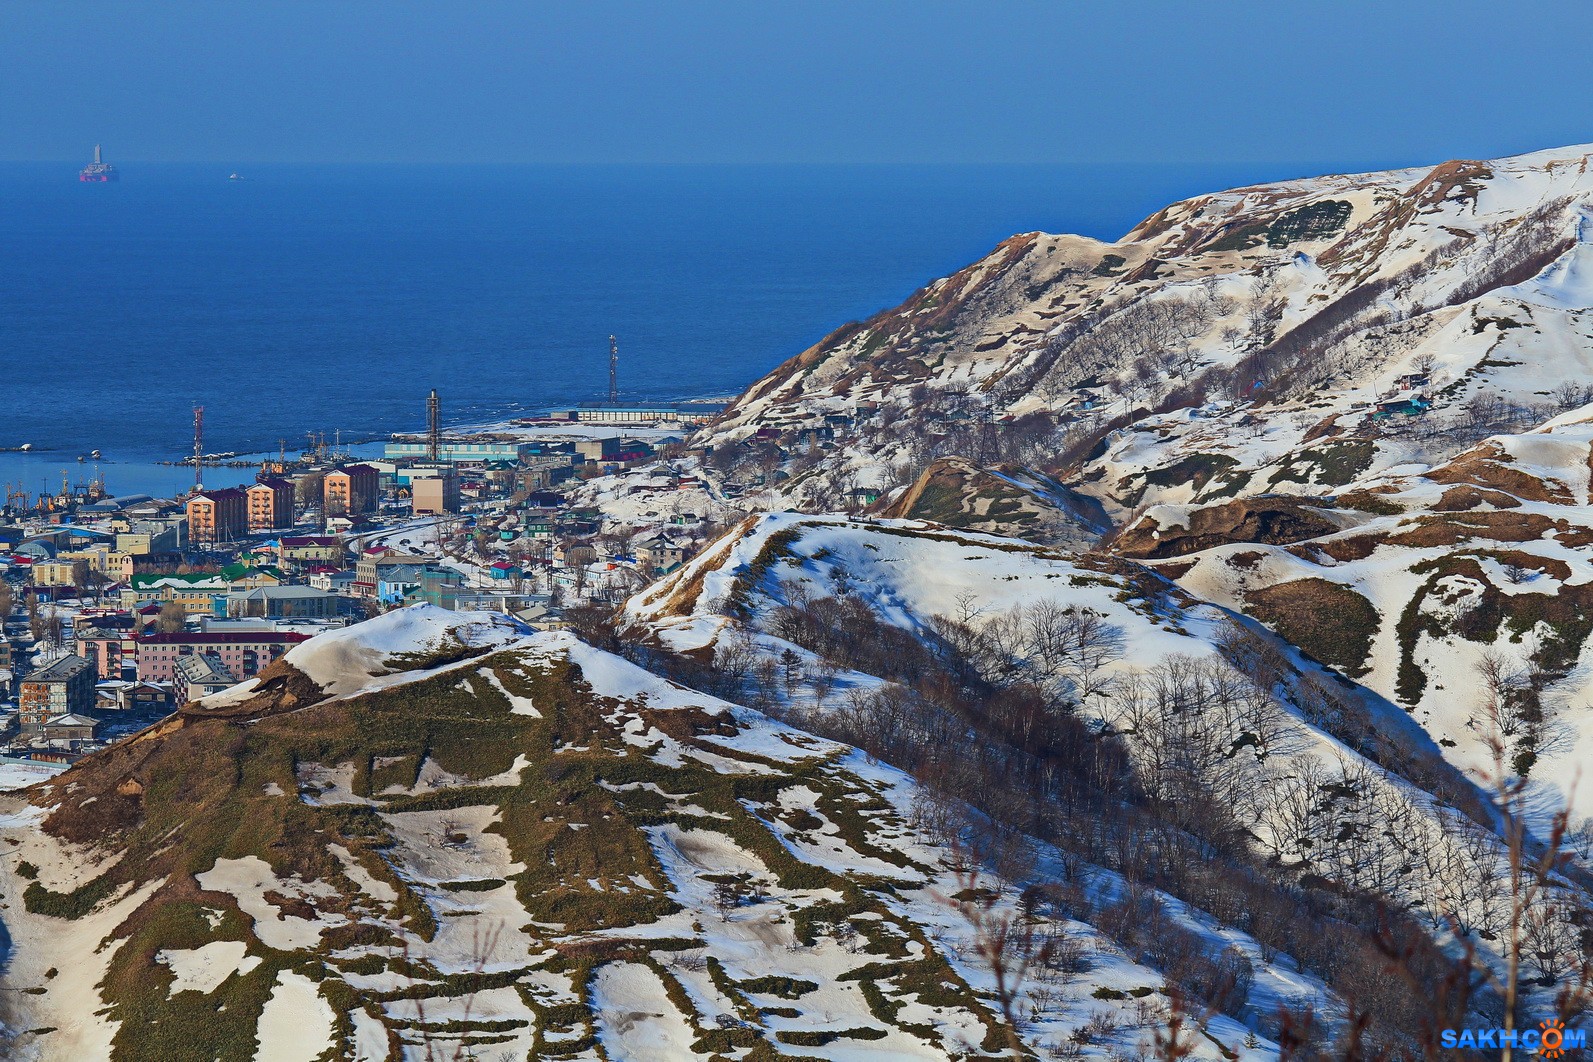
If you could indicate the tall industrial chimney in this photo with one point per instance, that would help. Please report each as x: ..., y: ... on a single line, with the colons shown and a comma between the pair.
x: 613, y: 371
x: 433, y: 426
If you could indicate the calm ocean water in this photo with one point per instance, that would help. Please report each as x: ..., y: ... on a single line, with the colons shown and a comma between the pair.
x: 322, y: 299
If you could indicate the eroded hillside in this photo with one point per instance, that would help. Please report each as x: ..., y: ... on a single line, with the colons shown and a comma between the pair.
x: 462, y: 837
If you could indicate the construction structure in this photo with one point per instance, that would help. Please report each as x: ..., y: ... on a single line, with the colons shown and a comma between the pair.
x: 682, y: 415
x: 471, y: 449
x: 613, y: 371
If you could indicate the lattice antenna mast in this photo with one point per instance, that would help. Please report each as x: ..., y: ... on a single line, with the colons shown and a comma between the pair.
x: 199, y: 447
x: 433, y: 426
x: 613, y: 371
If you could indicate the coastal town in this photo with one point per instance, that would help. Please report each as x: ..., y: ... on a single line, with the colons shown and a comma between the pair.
x: 1090, y: 559
x: 118, y: 609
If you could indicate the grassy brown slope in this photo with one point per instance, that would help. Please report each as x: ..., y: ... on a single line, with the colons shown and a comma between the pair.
x: 1333, y: 623
x: 202, y: 789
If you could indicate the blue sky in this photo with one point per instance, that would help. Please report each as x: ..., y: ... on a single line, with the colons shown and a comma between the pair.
x: 872, y: 81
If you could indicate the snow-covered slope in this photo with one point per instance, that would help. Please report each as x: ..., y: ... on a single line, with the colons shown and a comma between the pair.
x: 533, y: 848
x: 914, y: 577
x: 1350, y: 406
x: 840, y: 610
x: 1233, y: 343
x: 1453, y: 591
x: 1003, y: 501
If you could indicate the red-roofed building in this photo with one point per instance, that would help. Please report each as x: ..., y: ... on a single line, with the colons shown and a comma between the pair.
x: 352, y: 490
x: 217, y: 515
x: 270, y: 504
x: 314, y: 549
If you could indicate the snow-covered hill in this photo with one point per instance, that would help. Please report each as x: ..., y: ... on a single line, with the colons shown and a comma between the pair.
x: 1233, y: 343
x: 826, y: 620
x: 1457, y: 591
x: 1165, y: 698
x: 1352, y: 407
x: 465, y: 837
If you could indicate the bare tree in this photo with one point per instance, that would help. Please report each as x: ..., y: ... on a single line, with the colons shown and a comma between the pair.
x: 1538, y: 910
x: 172, y: 618
x: 823, y: 678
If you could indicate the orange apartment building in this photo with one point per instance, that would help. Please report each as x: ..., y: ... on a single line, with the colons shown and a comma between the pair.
x: 352, y: 490
x: 217, y: 515
x: 270, y: 504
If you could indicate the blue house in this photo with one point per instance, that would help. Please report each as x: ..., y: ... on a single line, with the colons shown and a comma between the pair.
x: 1408, y: 405
x: 505, y: 571
x: 395, y: 581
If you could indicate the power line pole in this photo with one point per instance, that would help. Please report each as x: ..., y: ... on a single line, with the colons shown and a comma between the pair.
x: 613, y: 371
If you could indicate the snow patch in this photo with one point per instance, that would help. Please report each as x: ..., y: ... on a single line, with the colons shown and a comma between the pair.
x: 204, y: 969
x: 296, y: 1024
x: 636, y: 1020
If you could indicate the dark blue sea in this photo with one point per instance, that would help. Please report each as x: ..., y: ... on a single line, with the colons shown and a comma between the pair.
x: 332, y: 299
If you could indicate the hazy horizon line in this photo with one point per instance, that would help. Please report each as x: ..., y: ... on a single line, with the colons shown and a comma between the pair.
x: 1317, y: 166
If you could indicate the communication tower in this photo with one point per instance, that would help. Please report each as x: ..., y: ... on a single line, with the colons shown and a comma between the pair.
x: 199, y: 448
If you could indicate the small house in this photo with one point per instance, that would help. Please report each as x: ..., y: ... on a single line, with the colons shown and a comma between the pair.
x: 1404, y: 403
x: 70, y: 729
x: 199, y: 675
x: 505, y: 570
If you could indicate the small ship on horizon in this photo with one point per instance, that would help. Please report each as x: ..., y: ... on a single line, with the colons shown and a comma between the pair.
x: 99, y: 171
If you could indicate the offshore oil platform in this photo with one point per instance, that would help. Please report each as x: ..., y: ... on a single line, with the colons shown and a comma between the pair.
x: 99, y: 171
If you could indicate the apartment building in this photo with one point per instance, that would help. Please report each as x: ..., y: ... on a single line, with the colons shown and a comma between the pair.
x: 353, y: 490
x: 311, y: 549
x: 103, y: 647
x: 369, y: 570
x: 199, y: 675
x: 243, y: 654
x: 434, y: 494
x: 217, y: 516
x: 198, y: 594
x: 65, y: 687
x: 270, y: 504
